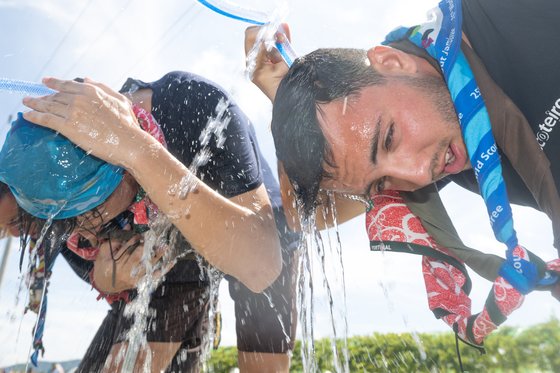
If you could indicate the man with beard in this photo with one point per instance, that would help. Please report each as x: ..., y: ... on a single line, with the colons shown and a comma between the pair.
x: 438, y: 102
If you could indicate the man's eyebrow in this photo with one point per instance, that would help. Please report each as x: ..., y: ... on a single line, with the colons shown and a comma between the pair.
x: 375, y: 142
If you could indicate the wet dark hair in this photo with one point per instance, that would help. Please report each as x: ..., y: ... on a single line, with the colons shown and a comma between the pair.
x: 55, y: 235
x: 317, y: 78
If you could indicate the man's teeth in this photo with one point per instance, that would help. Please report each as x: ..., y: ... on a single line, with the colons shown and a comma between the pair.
x: 449, y: 157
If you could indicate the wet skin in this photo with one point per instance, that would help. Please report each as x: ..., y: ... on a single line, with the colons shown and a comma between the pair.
x: 391, y: 136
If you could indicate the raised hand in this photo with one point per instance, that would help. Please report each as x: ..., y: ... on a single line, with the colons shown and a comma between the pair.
x: 270, y: 68
x: 94, y: 117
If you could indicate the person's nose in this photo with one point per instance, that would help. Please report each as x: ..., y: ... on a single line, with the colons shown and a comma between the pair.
x: 412, y: 173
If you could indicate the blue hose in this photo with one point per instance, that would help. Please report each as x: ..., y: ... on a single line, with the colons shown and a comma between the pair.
x: 253, y: 17
x: 236, y: 12
x: 28, y: 88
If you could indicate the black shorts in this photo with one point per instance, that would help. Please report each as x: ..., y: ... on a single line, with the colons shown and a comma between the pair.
x: 181, y: 315
x: 267, y: 322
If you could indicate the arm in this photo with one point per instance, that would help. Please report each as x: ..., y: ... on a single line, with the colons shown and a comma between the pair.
x: 238, y: 235
x: 346, y: 209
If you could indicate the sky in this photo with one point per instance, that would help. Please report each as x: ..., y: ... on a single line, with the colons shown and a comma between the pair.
x: 110, y: 40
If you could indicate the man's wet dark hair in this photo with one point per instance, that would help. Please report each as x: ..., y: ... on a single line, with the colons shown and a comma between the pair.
x: 317, y: 78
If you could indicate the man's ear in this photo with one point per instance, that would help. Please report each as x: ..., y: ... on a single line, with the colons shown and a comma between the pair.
x: 390, y: 60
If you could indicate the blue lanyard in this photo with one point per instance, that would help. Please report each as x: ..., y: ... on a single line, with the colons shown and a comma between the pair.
x: 441, y: 36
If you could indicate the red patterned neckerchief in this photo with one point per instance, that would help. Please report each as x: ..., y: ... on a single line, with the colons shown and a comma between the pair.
x: 149, y: 124
x: 143, y: 209
x: 390, y: 220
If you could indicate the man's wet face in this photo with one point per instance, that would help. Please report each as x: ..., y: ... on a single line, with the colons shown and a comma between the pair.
x: 397, y: 136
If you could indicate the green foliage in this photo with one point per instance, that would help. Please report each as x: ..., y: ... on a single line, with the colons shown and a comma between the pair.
x: 223, y: 360
x: 508, y: 350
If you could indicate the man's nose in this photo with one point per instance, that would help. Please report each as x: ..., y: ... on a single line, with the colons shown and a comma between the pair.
x: 412, y: 174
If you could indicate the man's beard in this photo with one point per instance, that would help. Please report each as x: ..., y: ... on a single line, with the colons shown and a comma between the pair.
x: 438, y: 93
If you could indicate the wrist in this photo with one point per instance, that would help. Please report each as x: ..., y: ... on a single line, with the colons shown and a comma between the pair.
x: 143, y: 149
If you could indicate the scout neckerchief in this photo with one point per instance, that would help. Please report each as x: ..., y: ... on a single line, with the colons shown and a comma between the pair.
x: 39, y: 269
x: 441, y: 36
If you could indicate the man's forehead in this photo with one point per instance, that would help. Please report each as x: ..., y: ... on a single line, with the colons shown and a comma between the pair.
x: 354, y: 107
x: 332, y: 116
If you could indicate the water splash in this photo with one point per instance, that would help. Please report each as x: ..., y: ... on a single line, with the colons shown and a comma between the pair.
x: 324, y: 260
x: 266, y: 35
x: 214, y: 128
x: 269, y: 21
x: 158, y: 236
x: 337, y: 253
x: 278, y: 317
x: 320, y: 253
x: 305, y: 297
x: 138, y: 308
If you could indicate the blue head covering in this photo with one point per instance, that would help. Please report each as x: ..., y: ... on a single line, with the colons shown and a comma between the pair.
x: 49, y: 175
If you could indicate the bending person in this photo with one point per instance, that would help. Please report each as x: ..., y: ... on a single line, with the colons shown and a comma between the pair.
x: 265, y: 323
x: 363, y: 122
x: 101, y: 122
x: 265, y: 332
x: 102, y: 217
